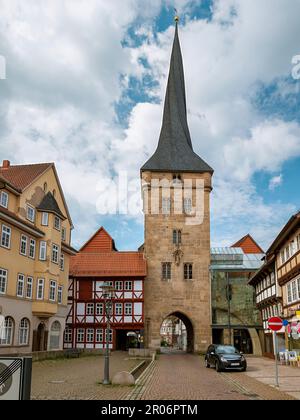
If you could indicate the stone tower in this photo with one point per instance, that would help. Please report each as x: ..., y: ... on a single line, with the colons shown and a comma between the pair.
x: 176, y: 186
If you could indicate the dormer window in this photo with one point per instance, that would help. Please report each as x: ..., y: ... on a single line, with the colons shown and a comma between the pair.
x: 4, y: 199
x: 45, y: 219
x: 57, y: 223
x: 64, y: 234
x: 30, y: 214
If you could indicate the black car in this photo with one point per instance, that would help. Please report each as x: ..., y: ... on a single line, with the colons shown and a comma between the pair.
x: 225, y: 358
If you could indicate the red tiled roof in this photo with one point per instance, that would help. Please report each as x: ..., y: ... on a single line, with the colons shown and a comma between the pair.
x: 112, y: 264
x: 101, y: 241
x: 21, y: 176
x: 248, y: 245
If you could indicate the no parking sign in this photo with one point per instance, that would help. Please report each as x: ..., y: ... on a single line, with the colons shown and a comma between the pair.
x: 15, y: 378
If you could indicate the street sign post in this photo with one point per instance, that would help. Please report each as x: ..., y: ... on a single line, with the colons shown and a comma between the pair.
x: 275, y: 324
x: 15, y: 378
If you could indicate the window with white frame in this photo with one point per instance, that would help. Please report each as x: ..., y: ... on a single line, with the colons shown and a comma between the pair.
x: 30, y: 213
x: 40, y: 289
x: 118, y: 309
x: 68, y: 335
x: 32, y: 245
x: 109, y: 336
x: 128, y: 286
x: 298, y: 242
x: 43, y: 251
x: 128, y: 308
x: 287, y: 253
x: 3, y: 281
x: 4, y: 199
x: 57, y: 223
x: 6, y: 339
x: 52, y: 291
x: 289, y: 293
x: 99, y: 309
x: 24, y: 332
x: 90, y: 309
x: 99, y: 336
x: 294, y: 291
x: 63, y: 234
x: 45, y: 219
x: 282, y: 256
x: 5, y: 236
x: 29, y: 287
x: 60, y: 295
x: 20, y: 285
x: 62, y: 262
x: 55, y: 254
x: 80, y: 335
x: 119, y: 285
x: 90, y: 335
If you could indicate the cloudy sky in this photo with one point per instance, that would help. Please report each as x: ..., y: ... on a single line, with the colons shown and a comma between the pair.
x: 85, y: 84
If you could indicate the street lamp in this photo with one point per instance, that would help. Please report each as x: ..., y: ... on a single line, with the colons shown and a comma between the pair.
x: 108, y: 293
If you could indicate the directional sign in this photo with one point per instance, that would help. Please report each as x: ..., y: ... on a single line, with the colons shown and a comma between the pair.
x: 275, y: 323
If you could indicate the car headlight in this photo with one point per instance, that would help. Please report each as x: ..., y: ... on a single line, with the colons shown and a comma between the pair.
x: 243, y: 359
x: 223, y: 359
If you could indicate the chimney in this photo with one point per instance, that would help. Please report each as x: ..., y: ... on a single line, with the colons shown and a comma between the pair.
x: 5, y: 164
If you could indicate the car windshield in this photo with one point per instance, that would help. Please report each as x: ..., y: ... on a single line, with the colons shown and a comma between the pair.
x: 226, y: 350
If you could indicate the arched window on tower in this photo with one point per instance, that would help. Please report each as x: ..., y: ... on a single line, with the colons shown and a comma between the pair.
x: 177, y: 179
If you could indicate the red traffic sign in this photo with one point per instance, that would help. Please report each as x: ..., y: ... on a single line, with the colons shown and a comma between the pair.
x: 275, y: 323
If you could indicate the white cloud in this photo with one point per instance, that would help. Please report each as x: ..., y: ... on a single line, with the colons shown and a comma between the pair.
x: 275, y: 182
x: 64, y: 61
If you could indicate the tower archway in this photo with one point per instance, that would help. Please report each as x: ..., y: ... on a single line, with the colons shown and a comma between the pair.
x: 177, y: 332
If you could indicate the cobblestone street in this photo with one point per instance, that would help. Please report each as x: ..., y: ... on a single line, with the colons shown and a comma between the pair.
x: 79, y: 378
x: 170, y: 377
x: 184, y: 377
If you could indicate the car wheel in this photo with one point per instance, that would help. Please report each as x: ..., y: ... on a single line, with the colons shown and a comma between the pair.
x: 218, y: 367
x: 244, y: 370
x: 207, y: 365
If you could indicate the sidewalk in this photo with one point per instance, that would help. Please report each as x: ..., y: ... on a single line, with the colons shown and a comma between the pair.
x: 263, y: 370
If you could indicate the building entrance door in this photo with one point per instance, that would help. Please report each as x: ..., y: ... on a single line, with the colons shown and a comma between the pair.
x: 242, y: 341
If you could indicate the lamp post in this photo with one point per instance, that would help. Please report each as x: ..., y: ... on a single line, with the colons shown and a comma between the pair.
x: 229, y: 299
x: 108, y: 295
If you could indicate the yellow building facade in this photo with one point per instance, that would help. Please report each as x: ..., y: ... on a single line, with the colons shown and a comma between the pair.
x: 35, y: 236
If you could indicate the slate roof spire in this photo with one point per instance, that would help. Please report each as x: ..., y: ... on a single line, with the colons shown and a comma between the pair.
x: 175, y: 151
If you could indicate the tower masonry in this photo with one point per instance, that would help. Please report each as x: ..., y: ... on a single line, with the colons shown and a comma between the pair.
x: 176, y: 185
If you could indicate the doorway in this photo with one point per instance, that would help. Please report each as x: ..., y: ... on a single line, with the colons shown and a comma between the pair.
x: 177, y: 334
x: 127, y: 339
x: 40, y: 343
x: 243, y: 342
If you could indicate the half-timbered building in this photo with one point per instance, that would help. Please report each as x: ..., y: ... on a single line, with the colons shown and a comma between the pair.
x: 99, y: 262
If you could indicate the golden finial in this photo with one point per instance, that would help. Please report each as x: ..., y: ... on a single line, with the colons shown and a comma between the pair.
x: 176, y: 18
